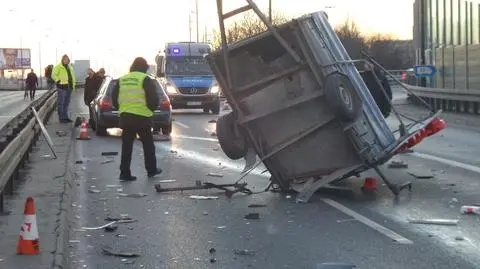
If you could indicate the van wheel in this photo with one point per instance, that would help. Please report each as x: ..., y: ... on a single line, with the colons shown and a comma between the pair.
x: 342, y: 97
x: 167, y: 130
x: 206, y: 110
x: 234, y: 146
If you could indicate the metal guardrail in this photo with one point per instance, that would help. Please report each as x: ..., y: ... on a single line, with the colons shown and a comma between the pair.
x: 454, y: 100
x: 17, y: 138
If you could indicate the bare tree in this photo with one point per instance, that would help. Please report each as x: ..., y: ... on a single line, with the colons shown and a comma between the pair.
x: 248, y: 26
x: 351, y: 38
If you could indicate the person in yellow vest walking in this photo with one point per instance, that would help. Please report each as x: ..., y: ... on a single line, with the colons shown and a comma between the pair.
x: 136, y: 98
x: 64, y: 77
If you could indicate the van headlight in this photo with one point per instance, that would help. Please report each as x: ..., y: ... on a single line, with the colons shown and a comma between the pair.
x: 171, y: 89
x: 215, y: 89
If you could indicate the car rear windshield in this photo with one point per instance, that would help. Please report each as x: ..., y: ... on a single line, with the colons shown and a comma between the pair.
x: 161, y: 93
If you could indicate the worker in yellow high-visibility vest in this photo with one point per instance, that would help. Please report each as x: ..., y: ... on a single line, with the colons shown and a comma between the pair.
x: 136, y: 98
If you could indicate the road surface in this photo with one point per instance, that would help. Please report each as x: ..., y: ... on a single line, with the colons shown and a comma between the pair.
x: 175, y: 231
x: 12, y: 103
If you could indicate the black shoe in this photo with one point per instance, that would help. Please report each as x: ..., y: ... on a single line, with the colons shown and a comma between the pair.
x: 128, y: 178
x: 64, y: 121
x: 69, y: 120
x: 158, y: 172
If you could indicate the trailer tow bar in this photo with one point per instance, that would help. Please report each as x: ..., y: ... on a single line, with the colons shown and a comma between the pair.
x: 237, y: 187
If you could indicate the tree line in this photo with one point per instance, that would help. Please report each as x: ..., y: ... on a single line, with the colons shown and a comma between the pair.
x: 392, y: 53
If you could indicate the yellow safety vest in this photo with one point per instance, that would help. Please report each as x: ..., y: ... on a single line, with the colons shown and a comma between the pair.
x: 59, y: 73
x: 131, y: 96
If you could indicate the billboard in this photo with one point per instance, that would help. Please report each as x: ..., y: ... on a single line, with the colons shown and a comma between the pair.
x: 14, y: 58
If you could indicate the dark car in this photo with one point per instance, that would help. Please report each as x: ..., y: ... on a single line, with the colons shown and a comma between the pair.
x: 106, y: 116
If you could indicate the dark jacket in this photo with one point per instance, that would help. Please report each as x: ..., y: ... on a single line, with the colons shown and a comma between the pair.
x: 151, y: 95
x: 32, y: 80
x: 376, y: 90
x: 90, y: 90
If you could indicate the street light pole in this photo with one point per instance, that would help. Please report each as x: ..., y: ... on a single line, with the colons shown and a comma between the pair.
x: 270, y: 10
x: 40, y: 63
x: 196, y: 17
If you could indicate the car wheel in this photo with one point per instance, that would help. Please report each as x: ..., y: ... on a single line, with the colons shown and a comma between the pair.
x: 206, y: 110
x: 233, y: 145
x: 167, y: 130
x: 342, y: 97
x: 100, y: 130
x: 216, y: 109
x: 157, y: 128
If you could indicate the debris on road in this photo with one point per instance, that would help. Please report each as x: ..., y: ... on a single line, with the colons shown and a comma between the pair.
x: 46, y: 156
x: 78, y: 162
x: 121, y: 235
x: 454, y: 200
x: 111, y: 252
x: 447, y: 222
x: 397, y: 164
x: 167, y: 181
x: 107, y: 161
x: 421, y: 174
x: 99, y: 227
x: 256, y: 205
x: 252, y: 216
x: 216, y: 149
x: 226, y: 107
x: 201, y: 197
x: 73, y: 241
x: 94, y: 191
x: 244, y: 252
x: 212, y: 121
x: 214, y: 175
x: 110, y: 153
x: 111, y: 228
x: 162, y: 137
x: 132, y: 195
x: 468, y: 209
x: 205, y: 213
x: 459, y: 238
x: 113, y: 186
x: 122, y: 219
x: 173, y: 151
x: 213, y: 134
x: 221, y: 227
x: 61, y: 133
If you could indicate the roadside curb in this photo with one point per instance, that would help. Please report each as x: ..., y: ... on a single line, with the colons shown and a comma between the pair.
x: 65, y: 204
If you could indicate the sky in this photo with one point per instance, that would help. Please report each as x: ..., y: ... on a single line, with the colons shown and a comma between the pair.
x: 112, y: 33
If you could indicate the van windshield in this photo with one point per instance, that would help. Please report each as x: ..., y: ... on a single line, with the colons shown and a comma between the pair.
x: 187, y: 65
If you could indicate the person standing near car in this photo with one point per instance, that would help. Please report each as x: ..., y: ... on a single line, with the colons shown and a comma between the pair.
x: 136, y: 98
x: 90, y: 92
x: 32, y: 84
x: 64, y: 76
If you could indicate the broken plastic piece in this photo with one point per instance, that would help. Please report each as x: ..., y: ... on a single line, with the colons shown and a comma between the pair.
x: 468, y: 209
x: 107, y: 161
x: 256, y: 205
x: 244, y: 252
x: 111, y: 228
x: 335, y: 266
x: 212, y: 121
x: 99, y: 227
x: 111, y: 252
x: 132, y: 195
x: 397, y: 164
x: 421, y: 174
x: 200, y: 197
x: 252, y: 216
x: 214, y: 175
x: 449, y: 222
x: 167, y: 181
x: 110, y: 153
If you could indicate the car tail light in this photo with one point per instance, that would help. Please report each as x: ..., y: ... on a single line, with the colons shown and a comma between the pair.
x: 165, y: 104
x: 435, y: 126
x: 105, y: 104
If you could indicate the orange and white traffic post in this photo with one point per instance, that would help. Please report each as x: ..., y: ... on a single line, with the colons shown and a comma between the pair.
x: 28, y: 242
x: 84, y: 131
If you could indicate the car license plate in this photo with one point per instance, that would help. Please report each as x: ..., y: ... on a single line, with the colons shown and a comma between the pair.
x: 194, y: 103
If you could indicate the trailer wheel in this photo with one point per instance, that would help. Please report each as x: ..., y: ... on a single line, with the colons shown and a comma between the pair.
x: 232, y: 145
x: 342, y: 97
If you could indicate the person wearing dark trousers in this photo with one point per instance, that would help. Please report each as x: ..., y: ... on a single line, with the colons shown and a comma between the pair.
x: 90, y: 93
x: 136, y: 98
x: 64, y: 76
x: 32, y: 84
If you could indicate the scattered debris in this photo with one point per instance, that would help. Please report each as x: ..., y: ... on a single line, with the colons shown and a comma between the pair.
x: 421, y: 174
x: 221, y: 227
x: 94, y: 191
x: 166, y: 213
x: 448, y: 222
x: 252, y: 216
x: 205, y: 213
x: 397, y: 164
x: 216, y: 149
x: 111, y: 228
x: 61, y: 133
x: 107, y: 161
x: 132, y: 195
x: 121, y: 235
x: 335, y: 265
x: 212, y: 251
x: 212, y: 121
x: 256, y: 205
x: 213, y: 134
x: 288, y: 196
x: 214, y: 175
x: 46, y: 156
x: 113, y: 186
x: 99, y: 227
x: 162, y: 137
x: 78, y: 162
x: 454, y: 200
x: 110, y: 153
x: 345, y: 220
x: 226, y: 107
x: 167, y: 181
x: 73, y: 241
x: 459, y: 238
x: 468, y: 209
x: 201, y: 197
x: 213, y: 260
x: 244, y: 252
x: 110, y: 252
x: 173, y: 151
x: 2, y: 260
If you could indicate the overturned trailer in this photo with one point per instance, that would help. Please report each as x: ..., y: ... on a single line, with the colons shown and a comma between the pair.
x: 301, y: 106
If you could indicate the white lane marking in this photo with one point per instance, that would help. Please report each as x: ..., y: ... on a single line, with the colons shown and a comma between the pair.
x: 181, y: 124
x: 196, y: 138
x: 370, y: 223
x: 465, y: 166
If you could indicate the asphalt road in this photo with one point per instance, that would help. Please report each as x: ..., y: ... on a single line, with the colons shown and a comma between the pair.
x: 368, y: 230
x: 12, y: 103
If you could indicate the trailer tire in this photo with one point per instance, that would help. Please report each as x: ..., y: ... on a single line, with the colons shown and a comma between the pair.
x: 233, y: 145
x: 342, y: 97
